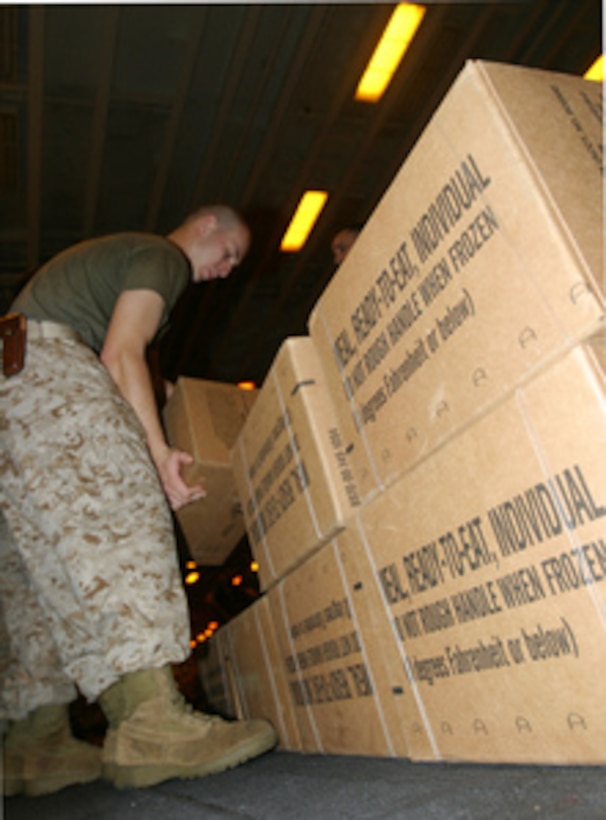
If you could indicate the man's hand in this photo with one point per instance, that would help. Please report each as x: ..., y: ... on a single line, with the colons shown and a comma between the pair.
x: 177, y: 491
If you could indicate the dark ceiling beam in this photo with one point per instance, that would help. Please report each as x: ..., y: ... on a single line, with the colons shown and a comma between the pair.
x: 533, y: 21
x: 553, y: 14
x: 261, y: 87
x: 229, y: 91
x: 313, y: 30
x: 35, y: 122
x: 176, y: 117
x: 569, y: 22
x: 108, y: 35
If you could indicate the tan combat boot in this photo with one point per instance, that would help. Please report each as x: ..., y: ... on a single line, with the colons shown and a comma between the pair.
x: 41, y: 755
x: 154, y: 735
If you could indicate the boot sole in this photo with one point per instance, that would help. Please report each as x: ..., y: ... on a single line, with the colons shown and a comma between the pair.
x: 56, y: 782
x: 136, y: 777
x: 46, y: 784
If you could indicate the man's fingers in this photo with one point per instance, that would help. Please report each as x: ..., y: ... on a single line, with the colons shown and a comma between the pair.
x: 180, y: 499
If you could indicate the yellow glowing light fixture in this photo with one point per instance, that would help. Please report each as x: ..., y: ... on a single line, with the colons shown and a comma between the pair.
x: 236, y: 581
x: 192, y: 578
x: 191, y: 565
x: 390, y: 50
x: 596, y: 71
x: 254, y: 566
x: 246, y: 385
x: 305, y: 217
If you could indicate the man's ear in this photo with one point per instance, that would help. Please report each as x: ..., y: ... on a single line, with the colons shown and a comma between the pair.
x: 206, y: 225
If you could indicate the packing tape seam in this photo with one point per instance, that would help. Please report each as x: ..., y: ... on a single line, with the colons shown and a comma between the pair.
x: 276, y: 697
x: 356, y: 624
x: 306, y: 491
x: 251, y: 491
x: 293, y: 654
x: 352, y: 403
x: 402, y: 651
x: 543, y: 459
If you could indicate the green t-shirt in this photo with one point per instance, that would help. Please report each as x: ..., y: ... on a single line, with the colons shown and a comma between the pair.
x: 79, y: 287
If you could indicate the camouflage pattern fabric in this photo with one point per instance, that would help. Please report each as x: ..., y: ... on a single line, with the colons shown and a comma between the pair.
x: 90, y: 585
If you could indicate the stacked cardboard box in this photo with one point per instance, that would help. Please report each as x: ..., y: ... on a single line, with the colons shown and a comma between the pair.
x: 482, y: 262
x: 348, y: 694
x: 204, y: 418
x: 490, y: 558
x: 291, y: 465
x: 459, y: 614
x: 252, y: 678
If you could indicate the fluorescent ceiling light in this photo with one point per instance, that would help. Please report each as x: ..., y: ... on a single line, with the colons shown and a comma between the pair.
x: 596, y: 71
x: 305, y: 217
x: 388, y: 54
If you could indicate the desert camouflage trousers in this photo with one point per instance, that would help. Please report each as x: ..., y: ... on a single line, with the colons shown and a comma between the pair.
x: 89, y: 582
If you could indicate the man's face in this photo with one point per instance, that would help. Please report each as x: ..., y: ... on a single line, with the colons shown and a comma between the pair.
x: 341, y: 244
x: 217, y: 251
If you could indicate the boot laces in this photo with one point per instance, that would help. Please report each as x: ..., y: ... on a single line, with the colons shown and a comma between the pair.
x: 179, y: 702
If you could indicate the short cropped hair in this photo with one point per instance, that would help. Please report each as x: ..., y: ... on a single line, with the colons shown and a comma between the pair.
x: 227, y: 216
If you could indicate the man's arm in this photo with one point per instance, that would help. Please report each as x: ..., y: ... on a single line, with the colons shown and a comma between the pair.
x: 133, y: 325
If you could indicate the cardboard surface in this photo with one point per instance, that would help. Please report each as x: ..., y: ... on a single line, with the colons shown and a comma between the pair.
x: 480, y: 265
x: 204, y: 419
x: 346, y: 699
x: 257, y: 677
x: 490, y: 557
x: 291, y: 464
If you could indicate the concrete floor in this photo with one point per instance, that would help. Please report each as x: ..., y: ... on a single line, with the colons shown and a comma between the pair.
x: 289, y: 786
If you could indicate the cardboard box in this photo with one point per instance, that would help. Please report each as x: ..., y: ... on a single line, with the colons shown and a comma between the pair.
x: 490, y: 557
x: 400, y: 696
x: 347, y: 699
x: 204, y: 419
x: 481, y: 264
x: 212, y: 663
x: 291, y: 464
x: 256, y: 674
